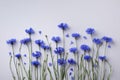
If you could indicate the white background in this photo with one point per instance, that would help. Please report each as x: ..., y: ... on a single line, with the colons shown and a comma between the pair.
x: 45, y: 15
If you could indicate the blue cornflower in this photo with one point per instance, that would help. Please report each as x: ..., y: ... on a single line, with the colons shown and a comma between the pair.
x: 39, y: 42
x: 25, y: 41
x: 61, y: 61
x: 85, y: 47
x: 35, y: 63
x: 102, y: 58
x: 18, y: 56
x: 73, y: 50
x: 30, y: 31
x: 37, y: 54
x: 107, y: 39
x: 59, y: 50
x: 45, y: 47
x: 87, y: 57
x: 97, y: 41
x: 11, y: 41
x: 76, y: 35
x: 63, y: 26
x: 71, y: 61
x: 90, y: 31
x: 56, y: 39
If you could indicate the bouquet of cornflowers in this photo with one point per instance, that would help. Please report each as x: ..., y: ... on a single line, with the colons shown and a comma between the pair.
x: 55, y: 63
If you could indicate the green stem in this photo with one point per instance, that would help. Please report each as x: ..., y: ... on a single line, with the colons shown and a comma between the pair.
x: 15, y: 63
x: 29, y: 71
x: 21, y: 70
x: 24, y: 68
x: 11, y: 68
x: 54, y: 69
x: 63, y: 43
x: 35, y: 73
x: 40, y: 62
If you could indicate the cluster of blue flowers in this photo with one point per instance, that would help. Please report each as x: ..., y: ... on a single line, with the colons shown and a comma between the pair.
x: 76, y: 63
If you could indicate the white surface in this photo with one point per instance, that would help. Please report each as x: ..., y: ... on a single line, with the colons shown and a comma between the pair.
x: 45, y: 15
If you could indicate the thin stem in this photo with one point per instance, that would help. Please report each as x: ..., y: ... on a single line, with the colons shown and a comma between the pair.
x: 105, y: 49
x: 52, y: 59
x: 21, y: 70
x: 29, y: 71
x: 40, y: 62
x: 63, y: 43
x: 11, y: 68
x: 15, y: 63
x: 24, y: 68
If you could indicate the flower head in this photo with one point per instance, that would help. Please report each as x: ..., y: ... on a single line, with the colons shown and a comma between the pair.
x: 11, y: 41
x: 90, y: 31
x: 97, y: 41
x: 102, y: 58
x: 71, y: 61
x: 107, y: 39
x: 63, y: 26
x: 61, y: 61
x: 25, y: 41
x: 35, y: 63
x: 59, y: 50
x: 76, y: 35
x: 73, y: 50
x: 30, y: 31
x: 85, y: 48
x: 39, y: 42
x: 45, y: 47
x: 37, y: 54
x: 18, y: 56
x: 56, y: 39
x: 87, y: 57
